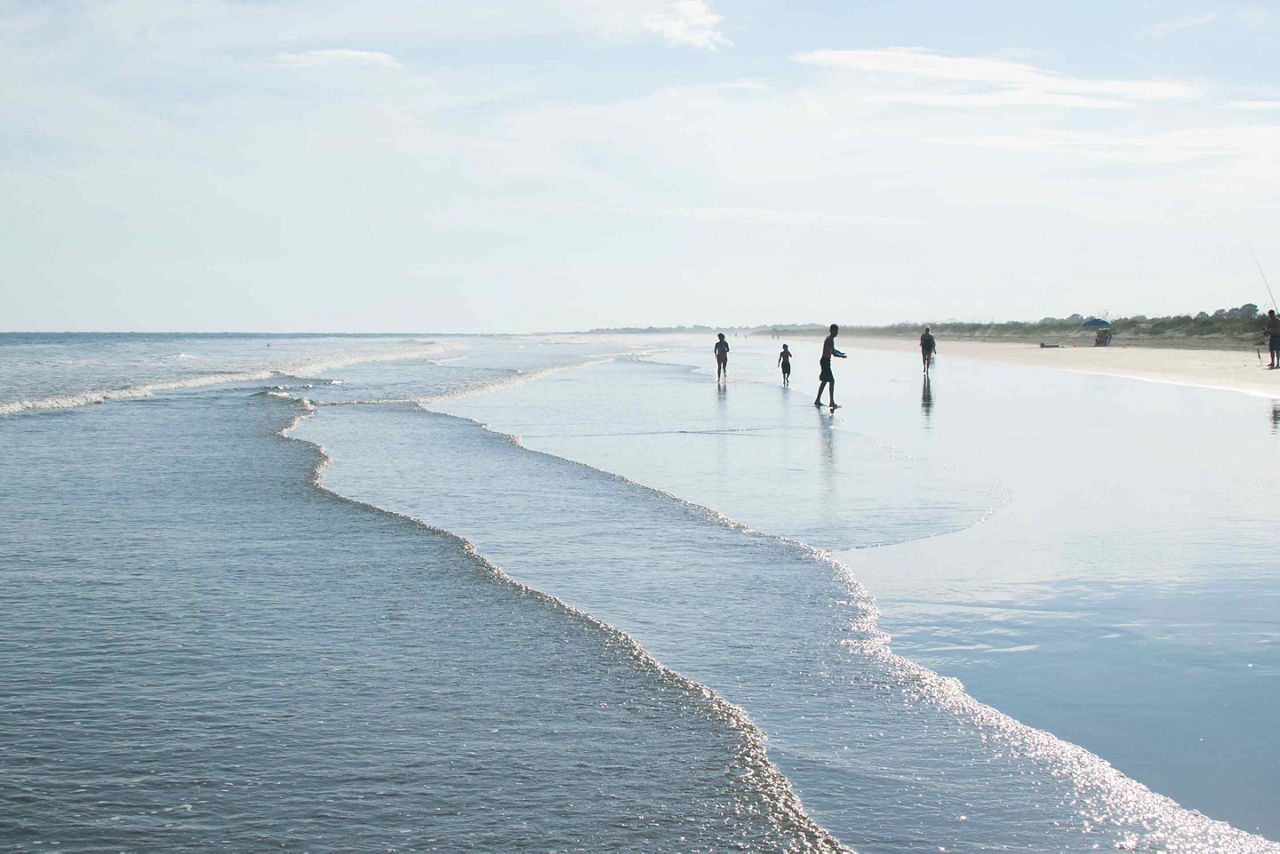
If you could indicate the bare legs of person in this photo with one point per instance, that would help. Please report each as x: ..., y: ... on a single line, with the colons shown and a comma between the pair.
x: 831, y: 393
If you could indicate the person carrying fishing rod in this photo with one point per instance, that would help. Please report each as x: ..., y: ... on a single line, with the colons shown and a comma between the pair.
x: 1272, y: 325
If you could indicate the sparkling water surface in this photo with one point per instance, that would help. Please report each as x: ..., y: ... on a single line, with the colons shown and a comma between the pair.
x: 1122, y: 589
x: 255, y: 663
x: 58, y: 371
x: 206, y: 648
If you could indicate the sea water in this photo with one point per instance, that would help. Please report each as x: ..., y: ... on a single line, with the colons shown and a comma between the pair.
x: 669, y: 616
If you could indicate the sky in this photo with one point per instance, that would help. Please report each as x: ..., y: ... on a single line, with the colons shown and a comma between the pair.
x: 521, y: 166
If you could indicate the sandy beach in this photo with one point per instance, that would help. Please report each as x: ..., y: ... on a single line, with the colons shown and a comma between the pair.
x: 1232, y: 370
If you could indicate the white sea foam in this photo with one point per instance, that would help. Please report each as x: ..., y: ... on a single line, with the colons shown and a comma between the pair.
x: 316, y: 366
x: 1107, y: 796
x: 1137, y: 817
x: 309, y: 367
x: 133, y: 392
x: 786, y: 812
x: 483, y: 387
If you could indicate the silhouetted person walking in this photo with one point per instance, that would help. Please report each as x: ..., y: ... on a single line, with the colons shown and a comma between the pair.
x: 824, y: 375
x: 722, y: 358
x: 927, y: 348
x: 784, y: 359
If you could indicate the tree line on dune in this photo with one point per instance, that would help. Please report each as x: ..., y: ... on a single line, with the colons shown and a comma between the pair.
x: 1245, y: 320
x: 1231, y: 322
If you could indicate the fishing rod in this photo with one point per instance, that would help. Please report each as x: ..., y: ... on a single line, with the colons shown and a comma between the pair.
x: 1264, y: 280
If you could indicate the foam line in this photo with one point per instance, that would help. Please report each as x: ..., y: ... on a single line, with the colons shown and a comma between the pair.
x: 516, y: 379
x: 786, y: 813
x: 133, y: 392
x: 1109, y: 792
x: 141, y: 390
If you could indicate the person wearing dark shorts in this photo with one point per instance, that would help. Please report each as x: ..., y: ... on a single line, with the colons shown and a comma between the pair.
x: 927, y: 348
x: 722, y: 358
x: 1273, y: 337
x: 784, y: 359
x: 824, y: 363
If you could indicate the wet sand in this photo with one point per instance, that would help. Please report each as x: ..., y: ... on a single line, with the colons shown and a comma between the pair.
x: 1234, y: 370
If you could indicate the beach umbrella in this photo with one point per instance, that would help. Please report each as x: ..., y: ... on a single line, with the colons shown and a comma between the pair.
x: 1097, y: 321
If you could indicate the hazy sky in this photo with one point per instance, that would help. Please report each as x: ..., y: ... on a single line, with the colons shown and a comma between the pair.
x: 518, y: 165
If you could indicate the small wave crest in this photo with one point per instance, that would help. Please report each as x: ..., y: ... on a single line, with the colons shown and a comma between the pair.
x: 1143, y: 820
x: 761, y: 776
x: 142, y: 390
x: 515, y: 378
x: 133, y: 392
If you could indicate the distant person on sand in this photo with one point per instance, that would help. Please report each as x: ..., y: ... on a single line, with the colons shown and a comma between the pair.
x: 784, y: 359
x: 824, y: 375
x: 722, y: 358
x: 927, y: 348
x: 1273, y: 337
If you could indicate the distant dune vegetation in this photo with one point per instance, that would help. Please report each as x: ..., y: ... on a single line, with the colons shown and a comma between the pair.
x: 1225, y: 327
x: 1225, y: 322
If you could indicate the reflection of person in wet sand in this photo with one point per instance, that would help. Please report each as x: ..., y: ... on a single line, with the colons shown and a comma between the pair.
x: 824, y: 375
x: 927, y: 348
x: 722, y: 358
x: 926, y: 398
x: 784, y: 359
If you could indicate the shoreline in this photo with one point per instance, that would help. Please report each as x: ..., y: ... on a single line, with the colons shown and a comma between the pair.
x: 1240, y: 371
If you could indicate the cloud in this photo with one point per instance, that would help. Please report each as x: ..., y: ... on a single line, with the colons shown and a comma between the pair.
x: 1252, y: 16
x: 771, y: 216
x: 688, y: 23
x: 965, y: 81
x: 1254, y: 105
x: 152, y: 147
x: 197, y: 26
x: 1179, y: 146
x: 339, y: 56
x: 1017, y: 54
x: 998, y: 99
x: 1186, y: 22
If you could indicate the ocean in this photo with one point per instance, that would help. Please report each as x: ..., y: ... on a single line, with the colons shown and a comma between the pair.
x: 568, y: 593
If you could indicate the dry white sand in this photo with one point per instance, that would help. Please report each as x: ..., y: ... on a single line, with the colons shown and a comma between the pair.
x: 1232, y: 370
